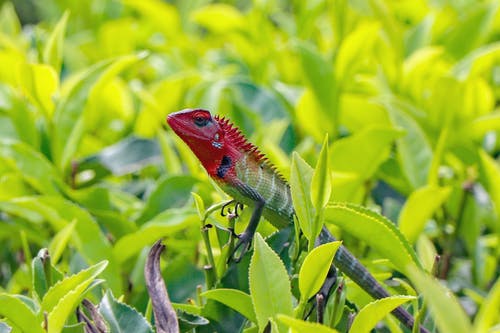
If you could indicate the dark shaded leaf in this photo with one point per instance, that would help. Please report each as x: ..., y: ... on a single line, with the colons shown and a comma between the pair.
x: 127, y: 156
x: 121, y: 318
x: 171, y: 192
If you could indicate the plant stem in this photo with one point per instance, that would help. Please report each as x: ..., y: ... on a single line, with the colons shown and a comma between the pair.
x: 211, y: 273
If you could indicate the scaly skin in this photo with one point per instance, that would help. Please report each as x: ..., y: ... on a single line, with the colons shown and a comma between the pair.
x: 245, y: 174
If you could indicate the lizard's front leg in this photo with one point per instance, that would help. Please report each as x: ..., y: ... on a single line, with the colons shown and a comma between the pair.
x: 245, y: 238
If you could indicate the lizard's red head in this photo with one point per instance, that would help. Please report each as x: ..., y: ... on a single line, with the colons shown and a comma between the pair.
x: 202, y: 133
x: 195, y: 126
x: 214, y: 140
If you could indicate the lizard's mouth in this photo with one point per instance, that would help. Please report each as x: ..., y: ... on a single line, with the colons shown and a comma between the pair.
x: 177, y: 125
x: 181, y: 128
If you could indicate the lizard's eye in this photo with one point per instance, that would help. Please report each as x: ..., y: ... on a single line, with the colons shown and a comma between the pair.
x: 201, y: 121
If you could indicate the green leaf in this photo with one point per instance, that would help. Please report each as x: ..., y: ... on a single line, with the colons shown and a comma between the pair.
x: 69, y: 116
x: 18, y: 313
x: 170, y: 192
x: 321, y: 185
x: 477, y: 61
x: 437, y: 159
x: 487, y: 316
x: 170, y: 157
x: 484, y: 124
x: 88, y: 238
x: 357, y: 45
x: 310, y: 115
x: 318, y: 108
x: 234, y: 299
x: 491, y: 171
x: 415, y: 153
x: 68, y: 120
x: 315, y: 268
x: 67, y: 305
x: 269, y: 284
x: 189, y: 321
x: 364, y: 223
x: 474, y: 27
x: 53, y: 51
x: 162, y: 225
x: 419, y: 36
x: 301, y: 326
x: 375, y: 311
x: 130, y: 155
x: 200, y: 205
x: 219, y: 18
x: 300, y: 179
x: 41, y: 273
x: 9, y: 22
x: 319, y: 75
x: 427, y: 252
x: 33, y: 166
x: 444, y: 307
x: 258, y: 99
x: 20, y: 114
x: 162, y: 15
x: 121, y: 317
x: 40, y: 83
x: 419, y: 208
x: 79, y: 281
x: 363, y: 152
x: 60, y: 241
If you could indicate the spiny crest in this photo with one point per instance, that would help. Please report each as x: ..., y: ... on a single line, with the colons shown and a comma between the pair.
x: 233, y: 134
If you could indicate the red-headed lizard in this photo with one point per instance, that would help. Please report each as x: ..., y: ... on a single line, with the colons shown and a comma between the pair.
x: 244, y: 173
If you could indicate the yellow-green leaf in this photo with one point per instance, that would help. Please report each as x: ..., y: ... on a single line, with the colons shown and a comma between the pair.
x: 54, y: 295
x: 363, y: 152
x: 60, y: 240
x: 269, y: 285
x: 235, y: 299
x: 491, y: 171
x: 363, y: 223
x: 321, y: 185
x: 315, y: 268
x: 419, y: 208
x: 220, y: 18
x: 33, y: 166
x: 69, y: 120
x: 200, y: 205
x: 53, y: 51
x: 375, y: 311
x: 40, y: 83
x: 488, y: 314
x: 426, y: 252
x: 17, y: 312
x: 300, y: 179
x: 443, y: 305
x: 301, y: 326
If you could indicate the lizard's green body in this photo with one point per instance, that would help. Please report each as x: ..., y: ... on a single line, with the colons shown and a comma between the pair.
x: 263, y: 179
x: 246, y: 175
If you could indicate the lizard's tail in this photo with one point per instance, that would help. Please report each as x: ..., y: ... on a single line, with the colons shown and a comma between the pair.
x: 348, y: 264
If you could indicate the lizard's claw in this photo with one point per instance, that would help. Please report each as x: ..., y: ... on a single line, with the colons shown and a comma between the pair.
x: 226, y: 206
x: 226, y: 210
x: 241, y: 248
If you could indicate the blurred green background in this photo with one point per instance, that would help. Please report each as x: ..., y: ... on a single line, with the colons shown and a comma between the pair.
x: 408, y: 92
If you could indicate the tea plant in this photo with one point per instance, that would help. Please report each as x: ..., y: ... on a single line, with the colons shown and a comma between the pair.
x: 407, y: 92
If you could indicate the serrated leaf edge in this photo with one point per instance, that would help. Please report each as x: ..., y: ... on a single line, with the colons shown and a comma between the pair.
x: 380, y: 220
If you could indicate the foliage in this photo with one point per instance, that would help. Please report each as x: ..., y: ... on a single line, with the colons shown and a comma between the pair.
x: 407, y: 92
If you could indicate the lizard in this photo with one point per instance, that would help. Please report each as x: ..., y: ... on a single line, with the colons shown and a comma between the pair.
x: 246, y: 175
